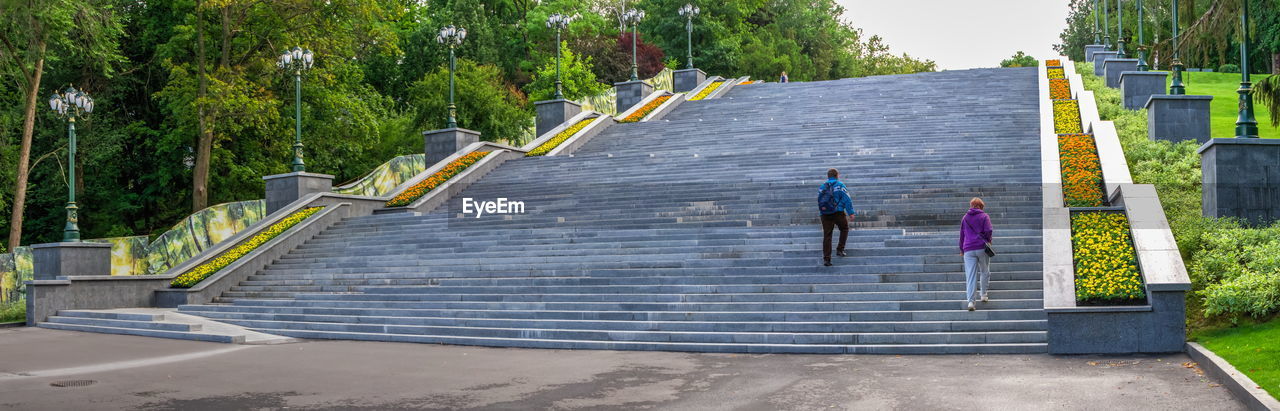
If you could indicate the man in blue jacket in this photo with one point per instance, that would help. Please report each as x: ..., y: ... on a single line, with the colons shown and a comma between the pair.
x: 837, y: 211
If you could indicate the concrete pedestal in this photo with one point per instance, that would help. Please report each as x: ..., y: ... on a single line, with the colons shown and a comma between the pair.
x: 1093, y: 48
x: 687, y: 79
x: 1178, y: 118
x: 1136, y: 87
x: 631, y: 92
x: 55, y: 260
x: 1112, y: 67
x: 552, y: 113
x: 1098, y: 58
x: 1241, y: 179
x: 283, y: 189
x: 442, y: 143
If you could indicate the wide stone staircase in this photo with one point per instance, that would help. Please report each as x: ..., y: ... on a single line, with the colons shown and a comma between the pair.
x: 698, y: 232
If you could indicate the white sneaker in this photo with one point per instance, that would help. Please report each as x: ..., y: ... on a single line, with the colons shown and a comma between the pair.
x: 971, y: 308
x: 984, y: 297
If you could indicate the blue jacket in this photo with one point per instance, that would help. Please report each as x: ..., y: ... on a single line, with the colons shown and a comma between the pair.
x: 843, y: 201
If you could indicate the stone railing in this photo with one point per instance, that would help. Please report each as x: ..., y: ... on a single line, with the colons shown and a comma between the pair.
x: 1158, y: 325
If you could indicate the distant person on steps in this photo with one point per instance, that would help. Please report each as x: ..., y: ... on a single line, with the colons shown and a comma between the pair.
x: 975, y: 235
x: 836, y: 208
x: 783, y: 77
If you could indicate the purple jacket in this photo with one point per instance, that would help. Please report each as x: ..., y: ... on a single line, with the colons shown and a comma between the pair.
x: 975, y: 230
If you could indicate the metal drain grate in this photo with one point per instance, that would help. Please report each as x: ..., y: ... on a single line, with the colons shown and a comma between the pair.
x: 72, y: 383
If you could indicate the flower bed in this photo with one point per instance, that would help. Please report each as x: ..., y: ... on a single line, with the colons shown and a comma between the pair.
x: 644, y: 111
x: 1060, y: 89
x: 560, y: 137
x: 1057, y: 73
x: 706, y: 91
x: 1106, y: 271
x: 203, y: 271
x: 1053, y: 63
x: 1082, y: 184
x: 1066, y: 117
x: 430, y: 183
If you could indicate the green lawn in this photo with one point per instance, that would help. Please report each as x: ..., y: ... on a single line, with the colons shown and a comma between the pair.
x: 1254, y: 349
x: 1225, y: 106
x: 13, y: 312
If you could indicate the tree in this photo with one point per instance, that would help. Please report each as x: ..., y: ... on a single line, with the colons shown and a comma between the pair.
x: 29, y: 31
x: 576, y: 77
x: 1019, y: 59
x: 485, y: 102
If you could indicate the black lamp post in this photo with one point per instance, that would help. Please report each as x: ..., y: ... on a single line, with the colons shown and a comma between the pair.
x: 1246, y: 125
x: 1142, y: 45
x: 297, y: 60
x: 71, y: 104
x: 1106, y: 25
x: 452, y: 36
x: 1176, y: 87
x: 689, y: 11
x: 558, y: 22
x: 1120, y: 29
x: 632, y: 17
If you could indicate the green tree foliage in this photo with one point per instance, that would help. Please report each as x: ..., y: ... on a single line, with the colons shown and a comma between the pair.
x: 1019, y: 59
x: 575, y: 75
x: 485, y: 102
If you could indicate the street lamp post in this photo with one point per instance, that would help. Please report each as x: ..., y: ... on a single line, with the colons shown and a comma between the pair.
x: 689, y: 11
x: 1246, y: 124
x: 632, y: 17
x: 452, y: 36
x: 1176, y: 87
x: 1106, y: 25
x: 558, y: 22
x: 1142, y: 45
x: 1120, y: 29
x: 297, y: 60
x: 71, y: 104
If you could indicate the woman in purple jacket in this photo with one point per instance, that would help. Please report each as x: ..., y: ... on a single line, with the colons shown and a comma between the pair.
x: 975, y: 234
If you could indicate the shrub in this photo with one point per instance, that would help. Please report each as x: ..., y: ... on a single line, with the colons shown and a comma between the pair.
x: 1082, y: 184
x: 1228, y: 68
x: 560, y: 137
x: 425, y: 186
x: 644, y: 111
x: 1066, y: 117
x: 1106, y: 269
x: 198, y: 274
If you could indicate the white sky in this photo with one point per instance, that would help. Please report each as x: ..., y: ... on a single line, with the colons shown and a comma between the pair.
x: 961, y: 34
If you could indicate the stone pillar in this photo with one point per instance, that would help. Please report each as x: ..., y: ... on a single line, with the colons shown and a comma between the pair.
x: 1099, y: 57
x: 1112, y: 67
x: 552, y: 113
x: 284, y: 189
x: 1178, y: 118
x: 442, y: 143
x: 1092, y: 48
x: 1136, y: 87
x: 55, y: 260
x: 1241, y: 179
x: 631, y: 92
x: 687, y: 79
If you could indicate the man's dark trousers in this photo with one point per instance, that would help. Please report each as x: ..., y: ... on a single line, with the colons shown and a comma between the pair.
x: 829, y: 222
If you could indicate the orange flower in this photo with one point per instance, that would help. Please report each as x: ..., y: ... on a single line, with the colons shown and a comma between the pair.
x: 1059, y: 89
x: 1053, y: 63
x: 1081, y: 171
x: 644, y: 111
x: 423, y: 187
